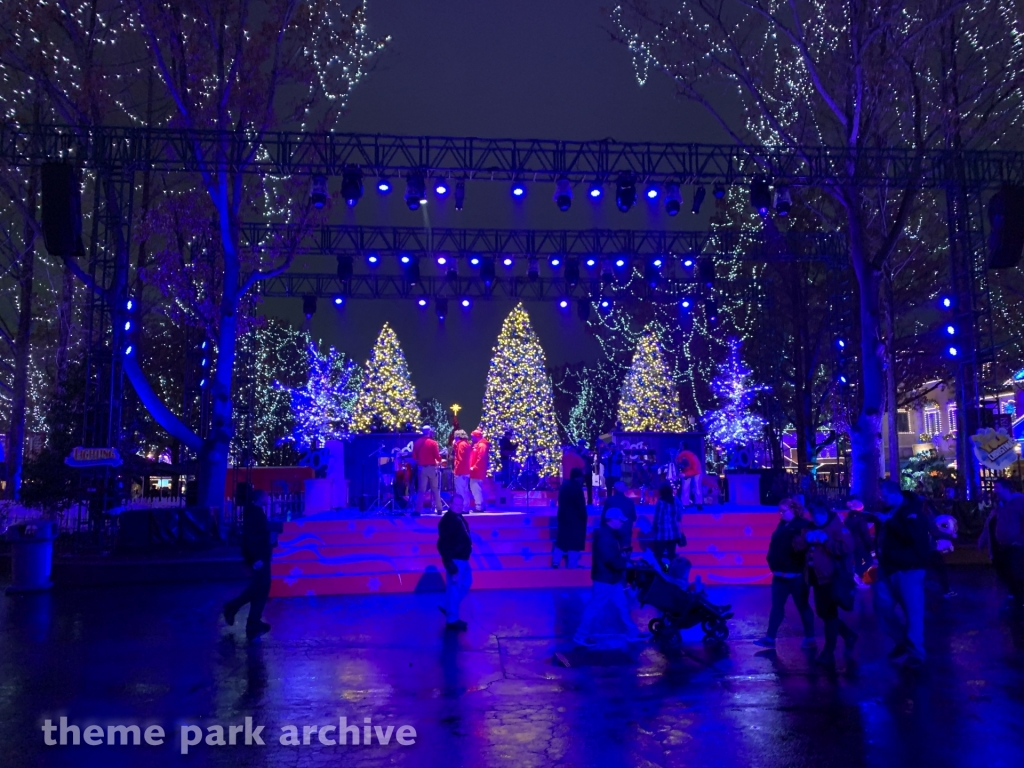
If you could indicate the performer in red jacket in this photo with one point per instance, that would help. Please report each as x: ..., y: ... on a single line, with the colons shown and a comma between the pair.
x: 461, y: 450
x: 427, y: 456
x: 478, y: 463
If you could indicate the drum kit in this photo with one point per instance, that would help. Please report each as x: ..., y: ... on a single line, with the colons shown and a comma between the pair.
x: 525, y: 475
x: 641, y: 467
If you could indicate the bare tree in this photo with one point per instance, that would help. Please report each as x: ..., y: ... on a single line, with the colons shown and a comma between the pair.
x: 855, y: 75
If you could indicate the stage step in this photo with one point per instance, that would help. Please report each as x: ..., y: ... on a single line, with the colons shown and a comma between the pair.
x: 341, y: 554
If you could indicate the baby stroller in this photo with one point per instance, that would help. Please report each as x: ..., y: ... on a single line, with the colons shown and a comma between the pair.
x: 680, y: 607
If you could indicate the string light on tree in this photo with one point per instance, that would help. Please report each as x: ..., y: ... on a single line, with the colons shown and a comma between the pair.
x: 322, y: 406
x: 387, y: 398
x: 649, y: 400
x: 734, y: 425
x: 518, y: 396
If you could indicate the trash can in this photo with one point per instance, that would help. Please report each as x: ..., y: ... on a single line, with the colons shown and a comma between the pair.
x: 31, y: 555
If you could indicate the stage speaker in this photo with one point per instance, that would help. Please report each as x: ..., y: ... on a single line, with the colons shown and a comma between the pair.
x: 1006, y: 217
x: 62, y: 210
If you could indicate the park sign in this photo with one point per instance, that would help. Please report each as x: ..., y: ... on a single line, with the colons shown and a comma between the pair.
x: 84, y: 458
x: 994, y: 449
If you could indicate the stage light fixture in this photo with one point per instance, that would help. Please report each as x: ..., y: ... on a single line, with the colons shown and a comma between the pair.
x: 673, y: 198
x: 441, y: 308
x: 711, y: 311
x: 706, y: 271
x: 129, y: 305
x: 452, y: 273
x: 373, y: 258
x: 596, y: 189
x: 591, y: 261
x: 127, y: 325
x: 950, y: 330
x: 652, y: 191
x: 383, y: 185
x: 685, y: 303
x: 422, y: 302
x: 318, y: 191
x: 946, y: 302
x: 518, y: 189
x: 841, y: 343
x: 605, y: 304
x: 128, y: 350
x: 411, y: 269
x: 783, y: 201
x: 440, y: 187
x: 460, y: 194
x: 351, y: 185
x: 555, y: 261
x: 508, y: 261
x: 563, y: 194
x: 533, y: 268
x: 465, y: 303
x: 698, y: 199
x: 760, y: 195
x: 487, y: 270
x: 652, y: 273
x: 718, y: 191
x: 625, y: 191
x: 572, y: 271
x: 620, y: 262
x: 405, y: 258
x: 344, y: 267
x: 564, y: 304
x: 415, y: 191
x: 442, y: 259
x: 843, y: 379
x: 338, y: 301
x: 953, y: 351
x: 688, y: 262
x: 474, y: 261
x: 309, y: 306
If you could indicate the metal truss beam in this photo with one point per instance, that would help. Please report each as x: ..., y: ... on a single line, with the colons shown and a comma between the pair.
x: 284, y: 153
x: 518, y: 288
x: 519, y: 243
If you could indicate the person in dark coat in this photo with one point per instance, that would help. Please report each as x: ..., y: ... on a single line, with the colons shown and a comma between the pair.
x: 829, y: 561
x: 787, y: 567
x: 571, y: 539
x: 619, y: 500
x: 455, y: 547
x: 608, y: 596
x: 904, y: 553
x: 257, y: 549
x: 858, y: 523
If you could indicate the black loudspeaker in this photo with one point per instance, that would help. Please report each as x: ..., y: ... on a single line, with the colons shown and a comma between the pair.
x: 1006, y: 217
x: 62, y: 210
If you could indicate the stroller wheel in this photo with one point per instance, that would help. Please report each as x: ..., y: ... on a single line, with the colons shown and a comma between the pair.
x: 715, y: 631
x: 655, y: 626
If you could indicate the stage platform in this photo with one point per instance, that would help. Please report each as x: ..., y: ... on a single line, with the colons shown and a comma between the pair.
x: 348, y: 552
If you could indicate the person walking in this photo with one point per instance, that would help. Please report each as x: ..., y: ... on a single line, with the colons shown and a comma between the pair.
x: 608, y: 596
x: 257, y: 549
x: 689, y: 473
x: 788, y: 579
x: 460, y: 466
x: 571, y: 537
x: 455, y: 547
x: 1003, y: 535
x: 904, y: 552
x: 620, y: 500
x: 668, y: 515
x: 587, y: 465
x: 479, y: 464
x: 427, y: 455
x: 828, y: 570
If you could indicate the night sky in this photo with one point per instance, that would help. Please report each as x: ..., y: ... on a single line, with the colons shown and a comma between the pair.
x: 529, y: 69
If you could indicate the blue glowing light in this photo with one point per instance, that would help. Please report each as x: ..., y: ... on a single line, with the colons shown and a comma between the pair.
x: 383, y: 186
x: 441, y: 189
x: 652, y: 193
x: 518, y: 189
x: 620, y: 263
x: 127, y: 325
x: 405, y: 259
x: 130, y: 305
x: 128, y: 349
x: 507, y: 261
x: 563, y: 304
x: 953, y: 352
x: 422, y: 302
x: 591, y: 262
x: 947, y: 302
x: 442, y: 260
x: 202, y: 382
x: 372, y: 258
x: 688, y: 263
x: 203, y: 345
x: 658, y: 263
x: 685, y: 303
x: 465, y: 302
x: 605, y: 304
x: 338, y: 300
x: 951, y: 330
x: 841, y: 344
x: 595, y: 191
x: 556, y: 261
x: 474, y: 261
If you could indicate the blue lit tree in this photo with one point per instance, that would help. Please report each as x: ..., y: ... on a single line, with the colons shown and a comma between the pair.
x: 322, y: 407
x: 734, y: 425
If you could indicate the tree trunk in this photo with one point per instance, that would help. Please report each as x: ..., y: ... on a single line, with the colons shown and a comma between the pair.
x: 890, y: 381
x: 22, y: 356
x: 866, y: 431
x: 65, y: 320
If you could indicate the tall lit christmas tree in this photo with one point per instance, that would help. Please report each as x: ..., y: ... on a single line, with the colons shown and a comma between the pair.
x: 322, y: 407
x: 518, y: 396
x: 734, y: 425
x: 387, y: 400
x: 649, y: 401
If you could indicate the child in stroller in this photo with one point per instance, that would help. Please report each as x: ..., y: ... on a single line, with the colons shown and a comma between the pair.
x: 683, y: 605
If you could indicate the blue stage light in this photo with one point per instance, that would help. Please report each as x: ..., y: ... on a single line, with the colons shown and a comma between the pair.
x: 127, y: 325
x: 338, y: 301
x: 422, y: 302
x: 620, y: 263
x: 947, y: 302
x: 840, y: 343
x: 842, y: 379
x: 440, y: 187
x: 591, y: 261
x: 605, y: 303
x: 563, y: 304
x: 129, y: 305
x: 953, y: 352
x: 652, y: 192
x: 658, y: 263
x: 128, y: 349
x: 405, y: 258
x: 373, y: 258
x: 685, y: 303
x: 518, y: 189
x: 596, y: 190
x: 465, y: 303
x: 556, y: 261
x: 442, y: 260
x: 202, y: 383
x: 688, y: 263
x: 507, y: 261
x: 383, y: 185
x: 475, y: 261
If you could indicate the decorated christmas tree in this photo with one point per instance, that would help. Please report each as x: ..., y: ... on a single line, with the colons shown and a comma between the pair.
x: 734, y: 425
x: 387, y: 400
x: 518, y: 396
x: 322, y: 407
x: 649, y: 401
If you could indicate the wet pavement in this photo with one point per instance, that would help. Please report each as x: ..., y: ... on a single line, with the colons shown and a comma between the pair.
x: 495, y: 696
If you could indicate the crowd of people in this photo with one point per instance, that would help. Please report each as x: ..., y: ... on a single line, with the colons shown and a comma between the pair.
x: 814, y: 553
